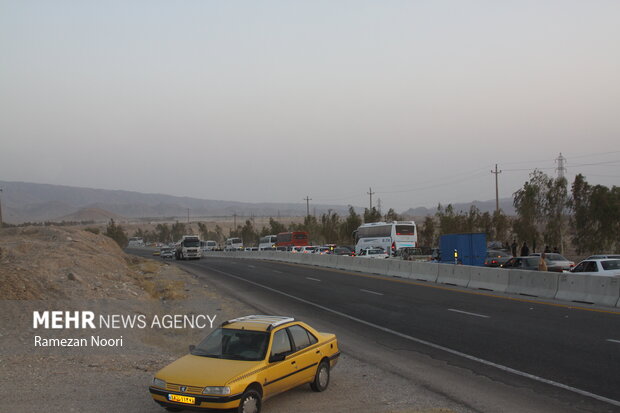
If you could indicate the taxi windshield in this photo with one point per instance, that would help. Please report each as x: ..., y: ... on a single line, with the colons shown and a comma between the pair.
x: 230, y: 344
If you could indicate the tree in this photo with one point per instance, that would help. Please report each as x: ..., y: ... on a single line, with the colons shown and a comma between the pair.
x: 163, y: 233
x: 500, y: 223
x: 427, y: 233
x: 351, y: 224
x: 371, y: 215
x: 529, y: 205
x: 330, y: 223
x: 204, y: 232
x: 555, y: 204
x: 392, y: 216
x: 276, y: 227
x: 117, y: 233
x: 177, y: 231
x: 248, y: 233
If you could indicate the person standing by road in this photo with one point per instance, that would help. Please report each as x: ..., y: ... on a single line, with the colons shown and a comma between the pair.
x: 525, y: 251
x: 513, y: 247
x: 542, y: 265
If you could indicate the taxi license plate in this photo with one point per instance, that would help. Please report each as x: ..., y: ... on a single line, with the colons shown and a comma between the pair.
x: 181, y: 399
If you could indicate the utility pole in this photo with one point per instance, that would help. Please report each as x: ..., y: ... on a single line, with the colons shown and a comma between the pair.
x: 188, y: 215
x: 0, y: 210
x: 234, y: 221
x: 308, y: 199
x: 371, y: 194
x: 496, y: 172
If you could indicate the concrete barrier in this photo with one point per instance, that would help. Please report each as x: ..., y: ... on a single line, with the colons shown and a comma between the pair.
x: 424, y: 271
x: 347, y: 263
x: 589, y: 289
x: 400, y: 268
x: 485, y: 278
x: 376, y: 266
x: 532, y: 283
x: 454, y: 274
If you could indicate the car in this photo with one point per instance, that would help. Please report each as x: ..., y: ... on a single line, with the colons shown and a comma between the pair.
x: 495, y: 258
x: 522, y: 263
x: 556, y: 262
x: 344, y: 251
x: 373, y: 253
x: 600, y: 267
x: 322, y: 250
x: 166, y: 252
x: 245, y: 361
x: 308, y: 249
x: 602, y: 256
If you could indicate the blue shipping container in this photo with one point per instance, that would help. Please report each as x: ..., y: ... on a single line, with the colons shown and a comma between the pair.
x: 472, y: 248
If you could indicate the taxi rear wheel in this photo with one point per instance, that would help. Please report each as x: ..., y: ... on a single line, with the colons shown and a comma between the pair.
x: 321, y: 378
x: 250, y: 402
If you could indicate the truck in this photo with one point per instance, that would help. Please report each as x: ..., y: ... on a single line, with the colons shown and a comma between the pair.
x: 467, y: 249
x: 188, y: 248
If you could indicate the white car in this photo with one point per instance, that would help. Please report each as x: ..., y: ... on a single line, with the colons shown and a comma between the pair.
x: 600, y: 267
x: 322, y: 250
x: 308, y: 249
x: 377, y: 253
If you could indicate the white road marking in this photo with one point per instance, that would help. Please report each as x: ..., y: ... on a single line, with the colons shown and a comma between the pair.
x: 277, y: 272
x: 465, y: 312
x: 251, y: 266
x: 613, y: 341
x: 428, y: 343
x: 313, y: 279
x: 370, y: 292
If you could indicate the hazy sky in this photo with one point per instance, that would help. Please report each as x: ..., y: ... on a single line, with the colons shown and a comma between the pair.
x: 275, y: 100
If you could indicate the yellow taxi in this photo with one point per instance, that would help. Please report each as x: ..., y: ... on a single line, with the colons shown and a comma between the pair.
x: 245, y: 361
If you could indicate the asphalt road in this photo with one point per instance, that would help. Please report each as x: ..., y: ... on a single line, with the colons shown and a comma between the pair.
x: 565, y: 353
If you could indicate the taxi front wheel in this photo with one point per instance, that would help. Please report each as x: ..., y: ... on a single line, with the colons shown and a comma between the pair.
x: 250, y: 402
x: 321, y: 378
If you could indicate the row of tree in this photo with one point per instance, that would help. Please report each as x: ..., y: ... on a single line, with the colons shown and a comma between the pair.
x: 588, y: 215
x: 546, y: 214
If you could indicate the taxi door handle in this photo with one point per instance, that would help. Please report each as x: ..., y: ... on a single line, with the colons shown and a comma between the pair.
x: 318, y: 352
x: 293, y: 362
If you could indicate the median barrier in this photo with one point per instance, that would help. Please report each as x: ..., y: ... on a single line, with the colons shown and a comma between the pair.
x: 588, y: 289
x: 533, y: 283
x: 331, y: 261
x: 400, y: 268
x: 424, y: 271
x: 376, y: 266
x: 346, y: 263
x: 454, y: 274
x: 492, y: 279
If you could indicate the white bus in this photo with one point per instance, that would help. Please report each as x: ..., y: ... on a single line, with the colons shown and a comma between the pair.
x: 268, y: 241
x: 391, y: 236
x: 233, y: 244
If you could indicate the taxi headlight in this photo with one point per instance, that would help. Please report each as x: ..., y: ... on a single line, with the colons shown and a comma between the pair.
x: 219, y: 390
x: 159, y: 383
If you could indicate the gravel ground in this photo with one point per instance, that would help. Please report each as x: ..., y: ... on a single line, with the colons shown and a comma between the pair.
x: 116, y: 379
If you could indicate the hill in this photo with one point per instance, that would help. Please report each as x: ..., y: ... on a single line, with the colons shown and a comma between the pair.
x: 25, y: 201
